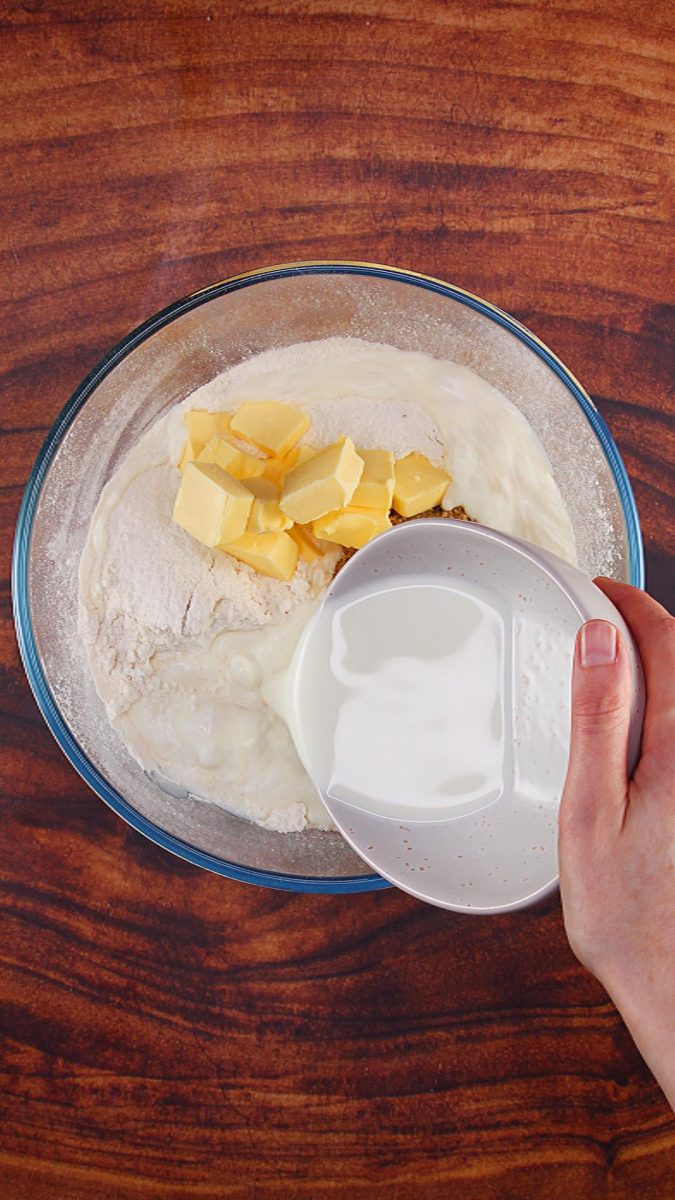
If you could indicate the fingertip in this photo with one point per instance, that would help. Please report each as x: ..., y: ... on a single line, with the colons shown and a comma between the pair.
x: 600, y: 696
x: 597, y: 644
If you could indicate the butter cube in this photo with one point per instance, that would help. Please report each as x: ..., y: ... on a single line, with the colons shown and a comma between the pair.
x: 276, y: 468
x: 237, y: 463
x: 351, y: 526
x: 271, y: 425
x: 376, y: 486
x: 191, y: 449
x: 265, y: 515
x: 418, y: 485
x: 325, y: 482
x: 201, y: 425
x: 308, y: 550
x: 303, y: 453
x: 211, y: 505
x: 274, y: 554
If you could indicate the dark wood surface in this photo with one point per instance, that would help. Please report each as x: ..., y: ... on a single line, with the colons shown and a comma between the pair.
x: 169, y: 1035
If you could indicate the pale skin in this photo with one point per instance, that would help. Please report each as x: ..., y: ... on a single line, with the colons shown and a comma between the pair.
x: 617, y: 835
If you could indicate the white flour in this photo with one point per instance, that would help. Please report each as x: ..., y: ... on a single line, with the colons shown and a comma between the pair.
x: 180, y: 638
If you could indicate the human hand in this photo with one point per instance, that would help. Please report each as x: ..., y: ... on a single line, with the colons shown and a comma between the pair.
x: 617, y: 835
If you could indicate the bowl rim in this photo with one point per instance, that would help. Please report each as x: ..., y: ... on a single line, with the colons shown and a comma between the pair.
x: 20, y: 558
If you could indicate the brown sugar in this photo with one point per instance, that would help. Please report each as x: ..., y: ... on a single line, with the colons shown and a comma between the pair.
x: 458, y: 513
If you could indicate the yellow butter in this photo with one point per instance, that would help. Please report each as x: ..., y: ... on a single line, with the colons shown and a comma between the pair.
x: 211, y: 505
x: 191, y: 449
x: 352, y: 526
x: 418, y: 484
x: 277, y: 468
x: 325, y: 482
x: 236, y: 462
x: 376, y: 486
x: 274, y: 554
x: 201, y: 426
x: 308, y: 550
x: 265, y: 515
x: 303, y: 453
x: 273, y: 426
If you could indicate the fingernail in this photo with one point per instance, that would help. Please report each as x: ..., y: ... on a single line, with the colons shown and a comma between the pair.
x: 599, y: 644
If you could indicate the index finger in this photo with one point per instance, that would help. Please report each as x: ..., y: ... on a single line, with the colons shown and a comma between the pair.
x: 654, y: 631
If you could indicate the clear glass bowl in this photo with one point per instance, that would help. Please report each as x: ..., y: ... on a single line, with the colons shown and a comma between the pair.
x: 159, y: 364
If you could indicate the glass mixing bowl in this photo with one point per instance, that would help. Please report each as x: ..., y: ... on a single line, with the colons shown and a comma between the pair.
x: 159, y: 364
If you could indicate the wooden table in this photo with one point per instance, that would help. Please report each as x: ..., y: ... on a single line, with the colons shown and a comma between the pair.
x: 170, y: 1035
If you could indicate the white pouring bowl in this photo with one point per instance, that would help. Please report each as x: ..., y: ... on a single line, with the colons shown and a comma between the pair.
x: 497, y: 850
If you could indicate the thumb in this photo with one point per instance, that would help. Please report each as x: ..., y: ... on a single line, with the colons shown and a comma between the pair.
x: 597, y: 778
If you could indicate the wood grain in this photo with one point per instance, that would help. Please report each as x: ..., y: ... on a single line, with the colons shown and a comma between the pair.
x: 168, y: 1035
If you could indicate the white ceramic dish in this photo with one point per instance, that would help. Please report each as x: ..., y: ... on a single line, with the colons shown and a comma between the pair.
x: 498, y: 851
